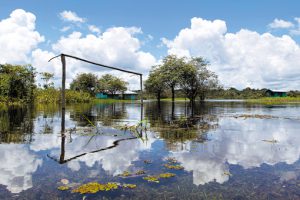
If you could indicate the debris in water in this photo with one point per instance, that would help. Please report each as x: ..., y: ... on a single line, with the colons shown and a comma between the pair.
x: 64, y: 181
x: 271, y: 141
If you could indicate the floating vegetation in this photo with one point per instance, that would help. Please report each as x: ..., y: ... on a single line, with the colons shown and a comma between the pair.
x: 94, y: 187
x: 151, y: 179
x: 130, y: 186
x: 140, y: 172
x: 166, y: 175
x: 273, y: 141
x: 246, y: 116
x: 227, y: 173
x: 147, y: 161
x: 63, y: 188
x: 172, y: 160
x: 125, y: 174
x: 177, y: 167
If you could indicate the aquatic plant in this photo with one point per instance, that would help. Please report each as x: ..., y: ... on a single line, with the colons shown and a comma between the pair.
x: 63, y: 188
x: 140, y: 172
x: 125, y: 174
x: 94, y: 187
x: 172, y: 160
x: 177, y: 167
x: 147, y: 161
x: 227, y: 173
x: 166, y: 175
x: 151, y: 179
x: 130, y: 186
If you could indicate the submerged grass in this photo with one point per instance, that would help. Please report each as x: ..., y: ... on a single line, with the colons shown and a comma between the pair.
x: 275, y: 100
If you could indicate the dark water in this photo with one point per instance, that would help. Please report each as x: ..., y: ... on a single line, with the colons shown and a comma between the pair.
x: 229, y: 150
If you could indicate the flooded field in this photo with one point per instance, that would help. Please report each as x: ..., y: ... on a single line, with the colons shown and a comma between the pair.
x: 224, y: 150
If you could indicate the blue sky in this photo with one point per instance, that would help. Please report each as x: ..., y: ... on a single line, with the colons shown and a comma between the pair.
x: 166, y: 19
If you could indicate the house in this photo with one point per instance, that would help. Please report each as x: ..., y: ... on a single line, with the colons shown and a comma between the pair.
x: 127, y: 95
x: 271, y: 93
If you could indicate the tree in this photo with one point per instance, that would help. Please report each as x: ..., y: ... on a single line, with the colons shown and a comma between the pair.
x: 196, y: 79
x: 111, y: 84
x: 155, y: 84
x: 86, y: 82
x: 17, y: 82
x: 46, y: 76
x: 170, y: 70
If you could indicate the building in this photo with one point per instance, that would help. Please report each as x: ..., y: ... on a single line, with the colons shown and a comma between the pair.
x: 127, y: 95
x: 271, y: 93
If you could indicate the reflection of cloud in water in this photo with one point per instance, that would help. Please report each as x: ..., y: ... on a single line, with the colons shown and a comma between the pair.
x: 17, y: 167
x: 239, y: 141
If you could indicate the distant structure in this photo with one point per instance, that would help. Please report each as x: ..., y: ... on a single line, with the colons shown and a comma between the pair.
x: 271, y: 93
x: 128, y: 95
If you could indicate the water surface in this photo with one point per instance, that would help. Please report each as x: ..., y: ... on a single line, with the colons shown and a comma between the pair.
x: 229, y: 150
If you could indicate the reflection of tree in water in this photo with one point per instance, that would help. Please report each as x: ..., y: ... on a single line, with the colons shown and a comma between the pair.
x: 103, y: 113
x: 180, y: 123
x: 16, y: 125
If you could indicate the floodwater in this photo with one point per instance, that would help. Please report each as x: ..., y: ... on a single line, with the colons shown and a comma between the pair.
x: 225, y: 150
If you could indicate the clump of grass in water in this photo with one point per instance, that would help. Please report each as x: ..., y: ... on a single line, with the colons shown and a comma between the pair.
x: 166, y: 175
x: 130, y: 186
x: 177, y: 167
x: 94, y: 187
x: 63, y: 188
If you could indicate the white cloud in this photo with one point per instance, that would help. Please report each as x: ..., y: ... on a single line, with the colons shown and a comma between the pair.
x: 65, y: 28
x: 241, y: 59
x: 116, y: 46
x: 296, y: 31
x: 18, y: 37
x: 279, y: 23
x: 94, y: 29
x: 71, y: 16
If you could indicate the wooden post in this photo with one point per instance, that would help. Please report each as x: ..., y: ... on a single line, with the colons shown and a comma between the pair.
x: 63, y: 82
x: 63, y: 109
x: 141, y: 85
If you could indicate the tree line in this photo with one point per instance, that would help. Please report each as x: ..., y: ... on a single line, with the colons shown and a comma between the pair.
x: 189, y: 75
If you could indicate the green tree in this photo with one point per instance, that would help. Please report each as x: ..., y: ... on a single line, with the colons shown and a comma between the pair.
x: 155, y: 83
x: 46, y: 76
x: 85, y: 82
x: 170, y: 71
x: 17, y: 82
x: 111, y: 84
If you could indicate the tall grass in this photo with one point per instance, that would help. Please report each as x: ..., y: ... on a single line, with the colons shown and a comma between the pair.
x: 52, y: 95
x: 275, y: 100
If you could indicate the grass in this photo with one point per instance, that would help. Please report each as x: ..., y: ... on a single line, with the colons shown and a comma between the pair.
x: 176, y: 99
x: 275, y: 100
x: 114, y: 101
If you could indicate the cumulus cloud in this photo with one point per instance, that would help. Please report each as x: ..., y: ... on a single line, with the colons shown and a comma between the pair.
x: 17, y: 166
x: 65, y: 28
x: 71, y: 16
x: 94, y: 29
x: 242, y: 59
x: 18, y: 37
x: 280, y: 23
